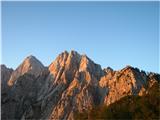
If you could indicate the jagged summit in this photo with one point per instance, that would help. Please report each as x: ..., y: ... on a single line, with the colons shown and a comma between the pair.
x: 108, y: 69
x: 73, y: 52
x: 62, y: 58
x: 127, y: 67
x: 72, y: 59
x: 72, y: 83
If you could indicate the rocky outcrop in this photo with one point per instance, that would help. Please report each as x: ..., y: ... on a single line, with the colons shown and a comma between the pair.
x: 81, y: 90
x: 72, y: 83
x: 5, y: 75
x: 128, y: 81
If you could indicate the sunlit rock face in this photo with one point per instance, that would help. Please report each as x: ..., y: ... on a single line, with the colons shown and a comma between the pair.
x: 30, y: 65
x: 71, y: 83
x: 81, y: 76
x: 128, y: 81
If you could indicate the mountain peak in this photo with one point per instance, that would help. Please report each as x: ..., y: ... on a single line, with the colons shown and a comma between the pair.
x: 3, y: 66
x: 74, y: 55
x: 31, y: 57
x: 73, y: 51
x: 128, y: 67
x: 65, y: 52
x: 30, y: 65
x: 75, y: 84
x: 64, y: 59
x: 108, y: 69
x: 31, y: 62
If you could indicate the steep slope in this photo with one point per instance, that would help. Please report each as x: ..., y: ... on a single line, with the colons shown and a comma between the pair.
x: 30, y: 65
x: 21, y: 101
x: 131, y: 107
x: 26, y: 77
x: 83, y: 75
x: 71, y: 83
x: 72, y: 76
x: 5, y: 75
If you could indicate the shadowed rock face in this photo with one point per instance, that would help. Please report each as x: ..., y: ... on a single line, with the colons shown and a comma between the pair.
x: 72, y: 82
x: 5, y: 75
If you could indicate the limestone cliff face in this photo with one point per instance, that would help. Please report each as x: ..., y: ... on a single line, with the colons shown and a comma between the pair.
x: 80, y: 76
x: 71, y: 83
x: 128, y: 81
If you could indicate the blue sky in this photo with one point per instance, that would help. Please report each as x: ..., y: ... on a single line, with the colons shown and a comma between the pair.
x: 112, y: 34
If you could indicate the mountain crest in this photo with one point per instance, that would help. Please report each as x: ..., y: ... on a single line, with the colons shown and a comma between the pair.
x: 72, y: 83
x: 30, y: 65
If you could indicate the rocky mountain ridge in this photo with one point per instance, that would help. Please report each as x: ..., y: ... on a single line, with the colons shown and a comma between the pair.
x: 71, y: 83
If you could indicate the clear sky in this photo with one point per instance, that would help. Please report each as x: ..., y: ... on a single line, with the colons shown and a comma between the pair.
x: 112, y: 34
